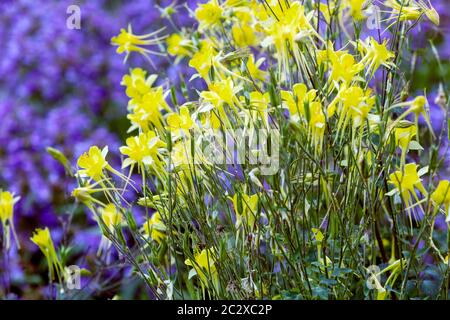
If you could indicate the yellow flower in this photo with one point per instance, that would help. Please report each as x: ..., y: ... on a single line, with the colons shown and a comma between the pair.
x: 182, y: 121
x: 208, y: 14
x: 259, y: 103
x: 243, y: 35
x: 203, y: 60
x: 178, y: 46
x: 253, y: 68
x: 292, y: 25
x: 204, y: 265
x: 376, y: 54
x: 295, y: 100
x: 110, y: 216
x: 93, y: 163
x: 137, y: 84
x: 7, y: 202
x: 353, y: 103
x: 442, y: 195
x: 128, y: 42
x: 143, y: 150
x: 356, y: 8
x: 317, y: 125
x: 404, y: 135
x: 342, y: 64
x: 43, y: 239
x: 406, y: 181
x: 245, y: 208
x: 155, y: 228
x: 147, y: 113
x: 412, y: 10
x: 225, y: 89
x: 345, y: 68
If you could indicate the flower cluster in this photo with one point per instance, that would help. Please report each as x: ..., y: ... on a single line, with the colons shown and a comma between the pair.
x: 299, y: 162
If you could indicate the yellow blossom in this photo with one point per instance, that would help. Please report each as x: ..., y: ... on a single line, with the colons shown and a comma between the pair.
x: 404, y: 135
x: 406, y: 181
x: 182, y: 121
x: 178, y: 46
x: 7, y: 202
x: 111, y: 217
x: 356, y: 8
x: 243, y: 35
x: 204, y: 265
x: 375, y: 54
x: 245, y: 208
x: 442, y: 196
x: 317, y: 125
x: 203, y: 60
x: 137, y: 84
x: 147, y: 114
x: 128, y: 42
x: 253, y: 68
x: 143, y: 150
x: 295, y: 100
x: 155, y: 228
x: 353, y: 103
x: 93, y: 163
x: 208, y: 14
x: 412, y: 10
x: 43, y: 239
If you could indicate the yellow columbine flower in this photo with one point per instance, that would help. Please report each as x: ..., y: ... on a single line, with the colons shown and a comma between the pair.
x: 253, y: 68
x: 43, y: 239
x: 155, y: 228
x: 317, y: 125
x: 292, y: 25
x: 7, y: 202
x: 404, y: 135
x: 128, y: 42
x: 356, y: 8
x: 412, y: 10
x: 342, y: 64
x: 245, y: 208
x: 353, y: 103
x: 108, y: 219
x: 143, y: 150
x: 110, y: 216
x: 375, y: 54
x: 259, y: 103
x: 204, y: 59
x: 137, y: 84
x: 442, y: 196
x: 243, y: 35
x: 417, y: 106
x: 345, y: 68
x: 225, y: 90
x: 182, y: 121
x: 178, y: 46
x: 204, y: 265
x: 147, y: 113
x: 208, y: 14
x: 406, y: 181
x: 295, y: 100
x: 93, y: 163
